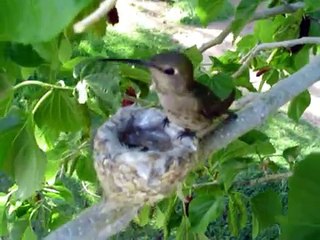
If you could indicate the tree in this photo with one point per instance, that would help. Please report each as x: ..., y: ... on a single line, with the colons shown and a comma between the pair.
x: 51, y: 98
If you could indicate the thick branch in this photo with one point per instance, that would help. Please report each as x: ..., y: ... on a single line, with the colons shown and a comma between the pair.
x: 101, y: 11
x: 97, y: 222
x: 258, y: 15
x: 265, y: 46
x: 262, y: 107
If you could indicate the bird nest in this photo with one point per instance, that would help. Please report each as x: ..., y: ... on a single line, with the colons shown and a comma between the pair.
x: 138, y: 159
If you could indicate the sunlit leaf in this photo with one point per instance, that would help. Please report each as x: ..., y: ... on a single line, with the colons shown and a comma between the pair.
x: 244, y: 12
x: 29, y: 234
x: 143, y: 217
x: 208, y: 10
x: 194, y: 55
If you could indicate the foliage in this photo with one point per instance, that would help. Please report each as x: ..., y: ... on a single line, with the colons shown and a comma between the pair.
x: 54, y: 93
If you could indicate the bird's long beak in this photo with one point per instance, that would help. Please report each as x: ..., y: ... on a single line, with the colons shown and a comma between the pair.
x: 140, y: 62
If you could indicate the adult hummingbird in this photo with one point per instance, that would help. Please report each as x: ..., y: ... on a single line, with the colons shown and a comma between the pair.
x: 186, y: 102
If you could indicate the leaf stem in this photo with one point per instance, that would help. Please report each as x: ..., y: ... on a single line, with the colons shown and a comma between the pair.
x: 42, y: 84
x: 41, y: 100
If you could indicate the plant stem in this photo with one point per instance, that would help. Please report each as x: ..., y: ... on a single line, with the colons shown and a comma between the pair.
x: 41, y: 100
x: 42, y: 84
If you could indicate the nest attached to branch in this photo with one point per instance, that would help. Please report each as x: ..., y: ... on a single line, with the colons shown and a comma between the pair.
x: 140, y: 160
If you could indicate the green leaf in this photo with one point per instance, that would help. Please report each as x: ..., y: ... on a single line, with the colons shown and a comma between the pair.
x: 287, y: 26
x: 143, y: 217
x: 231, y: 168
x: 253, y: 136
x: 244, y: 12
x: 302, y: 57
x: 221, y: 84
x: 31, y: 21
x: 266, y: 207
x: 135, y: 73
x: 312, y: 5
x: 10, y: 126
x: 65, y: 50
x: 259, y: 142
x: 303, y: 218
x: 237, y: 213
x: 29, y: 163
x: 291, y: 153
x: 58, y: 218
x: 298, y: 105
x: 314, y: 29
x: 226, y: 66
x: 6, y: 95
x: 159, y: 217
x: 3, y: 216
x: 271, y: 77
x: 206, y: 207
x: 18, y: 228
x: 47, y: 50
x: 60, y: 112
x: 24, y: 55
x: 105, y: 85
x: 29, y: 234
x: 264, y: 29
x: 246, y: 43
x: 194, y: 55
x: 235, y: 149
x: 85, y: 169
x: 183, y: 231
x: 208, y: 10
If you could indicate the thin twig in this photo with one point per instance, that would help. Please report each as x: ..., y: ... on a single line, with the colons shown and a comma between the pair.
x: 100, y: 12
x: 267, y: 178
x: 253, y: 182
x: 272, y: 45
x: 258, y: 15
x: 41, y: 84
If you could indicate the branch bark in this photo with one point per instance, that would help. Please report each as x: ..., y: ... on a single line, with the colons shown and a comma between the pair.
x: 93, y: 219
x: 262, y: 107
x: 289, y: 8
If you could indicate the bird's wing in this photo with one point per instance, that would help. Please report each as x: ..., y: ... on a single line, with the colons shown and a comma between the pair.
x: 212, y: 105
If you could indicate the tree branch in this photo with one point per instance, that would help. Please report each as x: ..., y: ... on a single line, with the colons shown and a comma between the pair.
x: 253, y: 182
x: 264, y: 46
x: 289, y: 8
x: 261, y: 107
x: 102, y: 10
x: 92, y: 220
x: 267, y: 178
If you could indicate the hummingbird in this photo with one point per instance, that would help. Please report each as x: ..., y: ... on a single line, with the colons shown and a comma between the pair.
x: 186, y: 102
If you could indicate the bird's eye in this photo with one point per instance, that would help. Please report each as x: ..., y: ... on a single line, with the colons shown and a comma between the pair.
x: 169, y: 71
